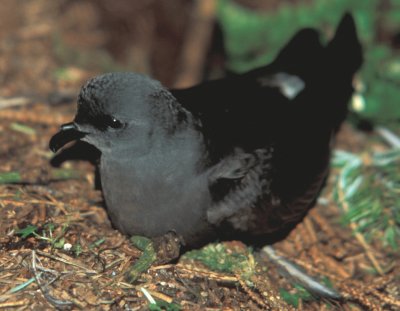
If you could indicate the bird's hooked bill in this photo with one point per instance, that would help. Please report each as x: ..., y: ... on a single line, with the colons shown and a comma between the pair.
x: 67, y: 133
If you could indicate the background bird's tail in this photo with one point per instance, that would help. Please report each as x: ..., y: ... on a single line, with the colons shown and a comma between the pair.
x: 327, y: 71
x: 343, y: 58
x: 345, y: 48
x: 299, y: 54
x: 306, y: 57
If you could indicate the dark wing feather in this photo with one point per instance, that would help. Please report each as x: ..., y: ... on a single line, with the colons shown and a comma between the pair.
x: 268, y: 149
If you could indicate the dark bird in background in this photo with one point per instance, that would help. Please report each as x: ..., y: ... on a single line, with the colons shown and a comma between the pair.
x: 244, y: 157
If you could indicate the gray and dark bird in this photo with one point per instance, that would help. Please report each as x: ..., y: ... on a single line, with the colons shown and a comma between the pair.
x: 244, y: 157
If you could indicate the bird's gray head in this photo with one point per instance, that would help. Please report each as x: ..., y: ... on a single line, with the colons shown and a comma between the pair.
x: 115, y: 108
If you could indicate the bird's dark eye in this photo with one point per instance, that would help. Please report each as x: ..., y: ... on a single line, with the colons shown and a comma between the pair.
x: 115, y: 123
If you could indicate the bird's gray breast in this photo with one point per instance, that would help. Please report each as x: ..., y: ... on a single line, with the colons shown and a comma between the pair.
x: 155, y: 193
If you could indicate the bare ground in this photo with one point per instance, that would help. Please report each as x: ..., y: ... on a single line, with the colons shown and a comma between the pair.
x: 47, y: 50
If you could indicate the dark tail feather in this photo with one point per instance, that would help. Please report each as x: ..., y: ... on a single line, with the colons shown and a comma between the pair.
x: 305, y: 48
x: 343, y: 59
x: 299, y: 52
x: 345, y: 48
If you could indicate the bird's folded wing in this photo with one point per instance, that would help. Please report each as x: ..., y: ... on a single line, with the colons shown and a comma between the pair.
x: 246, y: 177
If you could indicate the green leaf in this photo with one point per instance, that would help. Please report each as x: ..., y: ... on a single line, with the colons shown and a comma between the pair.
x: 292, y: 299
x: 50, y: 227
x: 27, y: 231
x: 341, y: 158
x: 218, y: 258
x: 140, y: 242
x: 77, y: 249
x: 64, y: 174
x: 22, y: 129
x: 11, y: 177
x: 353, y: 187
x: 23, y: 285
x: 59, y: 243
x: 145, y: 260
x: 303, y: 293
x: 97, y: 243
x: 371, y: 193
x: 164, y: 306
x: 392, y: 237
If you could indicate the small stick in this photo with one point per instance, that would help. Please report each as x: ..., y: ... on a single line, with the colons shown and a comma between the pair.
x: 87, y: 270
x: 13, y: 304
x: 167, y: 266
x: 14, y: 102
x: 55, y: 302
x: 311, y: 231
x: 161, y: 296
x: 207, y: 274
x: 148, y: 296
x: 253, y: 296
x: 386, y: 299
x: 322, y: 223
x: 391, y: 138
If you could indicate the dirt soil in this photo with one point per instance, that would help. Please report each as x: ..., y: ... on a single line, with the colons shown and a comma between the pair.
x: 48, y: 49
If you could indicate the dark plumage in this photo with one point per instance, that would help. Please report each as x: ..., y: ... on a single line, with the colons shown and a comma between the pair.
x: 244, y: 157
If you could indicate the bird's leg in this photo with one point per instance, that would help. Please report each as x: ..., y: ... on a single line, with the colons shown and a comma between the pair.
x: 159, y: 250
